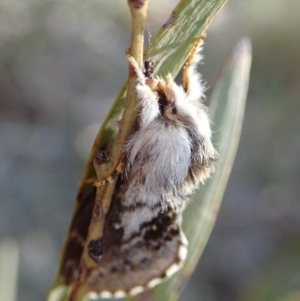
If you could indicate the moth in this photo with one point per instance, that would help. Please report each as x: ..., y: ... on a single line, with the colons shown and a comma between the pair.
x: 167, y: 155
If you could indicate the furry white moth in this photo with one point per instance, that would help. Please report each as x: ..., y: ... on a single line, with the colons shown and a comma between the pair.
x: 167, y: 155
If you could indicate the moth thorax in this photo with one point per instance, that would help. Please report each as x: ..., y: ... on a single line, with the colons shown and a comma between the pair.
x: 166, y: 106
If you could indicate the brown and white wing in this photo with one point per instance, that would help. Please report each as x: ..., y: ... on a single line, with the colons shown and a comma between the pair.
x: 132, y: 263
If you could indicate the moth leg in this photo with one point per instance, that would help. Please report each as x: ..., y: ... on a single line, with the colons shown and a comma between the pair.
x: 119, y: 169
x: 87, y: 181
x: 189, y: 67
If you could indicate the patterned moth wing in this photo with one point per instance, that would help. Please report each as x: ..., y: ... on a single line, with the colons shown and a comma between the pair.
x: 168, y: 153
x: 142, y: 246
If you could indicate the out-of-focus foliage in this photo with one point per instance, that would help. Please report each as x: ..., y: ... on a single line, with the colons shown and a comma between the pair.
x: 61, y: 65
x: 280, y: 280
x: 9, y: 267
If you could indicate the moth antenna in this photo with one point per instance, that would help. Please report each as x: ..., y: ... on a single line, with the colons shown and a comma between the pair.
x: 191, y: 81
x: 134, y: 67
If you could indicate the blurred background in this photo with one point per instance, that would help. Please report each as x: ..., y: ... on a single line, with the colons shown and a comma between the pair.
x: 61, y: 65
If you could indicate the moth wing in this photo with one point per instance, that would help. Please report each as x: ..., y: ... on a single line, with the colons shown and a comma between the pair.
x: 150, y: 255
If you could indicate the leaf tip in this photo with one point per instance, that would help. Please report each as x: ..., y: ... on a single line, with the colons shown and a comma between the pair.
x: 243, y: 47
